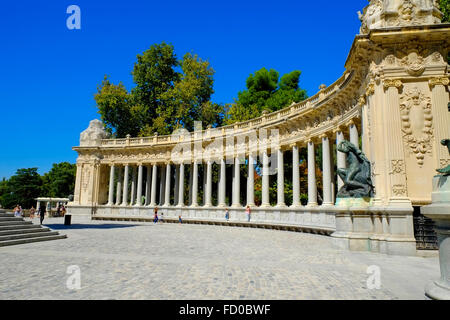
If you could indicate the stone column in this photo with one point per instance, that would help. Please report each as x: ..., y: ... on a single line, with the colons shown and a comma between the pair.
x: 208, y: 200
x: 341, y: 157
x: 312, y: 183
x: 162, y: 186
x: 181, y: 187
x: 168, y: 180
x: 295, y: 177
x: 177, y: 185
x: 354, y: 136
x: 441, y: 119
x: 205, y: 174
x: 191, y: 181
x: 133, y: 186
x: 236, y: 183
x: 148, y: 186
x: 139, y: 185
x: 119, y: 187
x: 125, y: 186
x: 195, y: 184
x: 251, y: 181
x: 111, y: 186
x: 154, y: 178
x: 222, y: 183
x: 265, y: 181
x: 280, y: 180
x: 326, y: 174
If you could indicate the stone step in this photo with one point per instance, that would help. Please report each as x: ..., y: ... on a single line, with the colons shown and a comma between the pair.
x: 28, y: 235
x: 19, y: 226
x: 22, y: 231
x: 6, y: 215
x: 12, y: 223
x: 12, y: 218
x: 31, y: 240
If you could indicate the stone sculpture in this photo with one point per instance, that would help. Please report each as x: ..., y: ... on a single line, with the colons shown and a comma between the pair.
x: 357, y: 176
x: 93, y: 135
x: 445, y: 171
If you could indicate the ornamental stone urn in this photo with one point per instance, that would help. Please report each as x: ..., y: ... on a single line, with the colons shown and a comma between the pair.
x: 439, y: 211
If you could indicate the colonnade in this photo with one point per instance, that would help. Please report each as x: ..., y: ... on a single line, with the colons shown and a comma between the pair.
x: 125, y: 193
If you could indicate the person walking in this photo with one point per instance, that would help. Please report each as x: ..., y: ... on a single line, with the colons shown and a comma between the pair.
x: 227, y: 214
x: 161, y: 217
x: 248, y: 212
x: 180, y: 220
x: 42, y: 211
x: 32, y: 212
x: 155, y: 217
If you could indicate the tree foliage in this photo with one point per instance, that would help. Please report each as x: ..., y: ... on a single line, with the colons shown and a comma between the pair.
x: 445, y: 8
x: 27, y: 185
x: 169, y: 94
x: 266, y: 92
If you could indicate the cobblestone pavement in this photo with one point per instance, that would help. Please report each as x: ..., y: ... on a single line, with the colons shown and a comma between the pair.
x: 127, y: 260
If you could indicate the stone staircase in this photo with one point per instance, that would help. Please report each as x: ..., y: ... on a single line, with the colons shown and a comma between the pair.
x: 14, y: 230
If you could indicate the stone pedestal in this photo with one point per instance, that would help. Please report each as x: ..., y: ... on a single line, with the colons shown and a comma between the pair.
x: 439, y: 211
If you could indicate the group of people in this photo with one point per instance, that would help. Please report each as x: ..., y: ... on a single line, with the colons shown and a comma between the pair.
x: 160, y: 217
x: 18, y: 212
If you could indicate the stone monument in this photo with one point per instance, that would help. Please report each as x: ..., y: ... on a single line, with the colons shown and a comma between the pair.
x: 439, y: 211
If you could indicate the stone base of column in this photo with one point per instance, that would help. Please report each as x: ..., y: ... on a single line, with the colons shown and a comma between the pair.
x: 281, y: 206
x: 80, y: 214
x: 356, y: 231
x: 439, y: 211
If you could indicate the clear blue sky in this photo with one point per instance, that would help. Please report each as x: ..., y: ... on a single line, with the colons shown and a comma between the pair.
x: 49, y: 74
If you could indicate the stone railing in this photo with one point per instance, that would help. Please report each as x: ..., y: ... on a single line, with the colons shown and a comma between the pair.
x: 295, y: 110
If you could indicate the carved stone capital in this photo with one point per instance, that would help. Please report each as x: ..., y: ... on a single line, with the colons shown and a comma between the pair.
x: 444, y: 81
x: 389, y: 83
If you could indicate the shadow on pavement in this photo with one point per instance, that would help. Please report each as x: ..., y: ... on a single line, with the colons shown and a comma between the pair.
x: 87, y: 226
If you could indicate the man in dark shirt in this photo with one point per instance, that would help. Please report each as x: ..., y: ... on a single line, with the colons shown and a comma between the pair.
x: 42, y: 211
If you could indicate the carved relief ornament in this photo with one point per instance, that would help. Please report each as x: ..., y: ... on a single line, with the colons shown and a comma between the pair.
x: 417, y: 125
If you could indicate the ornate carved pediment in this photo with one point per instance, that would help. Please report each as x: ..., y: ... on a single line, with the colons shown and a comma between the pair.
x: 392, y: 13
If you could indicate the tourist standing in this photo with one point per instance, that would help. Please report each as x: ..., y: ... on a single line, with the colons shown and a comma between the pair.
x: 32, y: 212
x: 16, y: 211
x: 248, y: 212
x: 63, y: 210
x: 161, y: 217
x: 227, y: 214
x: 180, y: 220
x: 42, y: 211
x: 155, y: 217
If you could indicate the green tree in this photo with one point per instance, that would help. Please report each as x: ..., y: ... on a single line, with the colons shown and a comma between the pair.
x: 266, y: 92
x: 60, y: 180
x: 445, y: 8
x: 22, y: 188
x: 169, y: 94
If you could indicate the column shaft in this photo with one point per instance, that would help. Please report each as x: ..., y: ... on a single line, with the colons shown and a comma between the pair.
x: 195, y: 184
x: 265, y: 181
x: 154, y: 179
x: 326, y: 172
x: 125, y: 186
x: 251, y: 181
x: 139, y: 185
x: 181, y: 187
x: 111, y: 186
x: 168, y: 180
x: 295, y: 177
x: 312, y: 183
x: 280, y: 179
x: 236, y: 183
